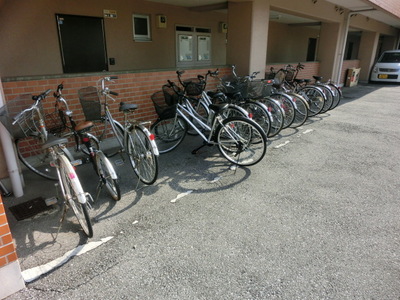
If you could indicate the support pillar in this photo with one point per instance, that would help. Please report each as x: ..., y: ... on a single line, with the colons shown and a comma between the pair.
x: 247, y: 36
x: 368, y: 47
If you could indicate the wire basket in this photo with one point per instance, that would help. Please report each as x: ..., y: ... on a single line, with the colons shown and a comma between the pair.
x: 257, y: 89
x: 289, y: 75
x: 194, y: 86
x: 90, y: 102
x: 165, y: 102
x: 54, y: 123
x: 27, y: 124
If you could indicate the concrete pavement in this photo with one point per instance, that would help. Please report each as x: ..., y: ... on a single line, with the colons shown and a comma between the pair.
x: 316, y: 219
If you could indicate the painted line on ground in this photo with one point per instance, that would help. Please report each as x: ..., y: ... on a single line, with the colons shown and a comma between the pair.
x: 34, y: 273
x: 181, y: 195
x: 281, y: 145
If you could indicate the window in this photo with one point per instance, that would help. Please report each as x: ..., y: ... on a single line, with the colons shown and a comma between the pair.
x: 193, y: 46
x: 141, y: 27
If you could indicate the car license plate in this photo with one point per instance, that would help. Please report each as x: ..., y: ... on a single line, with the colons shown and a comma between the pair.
x: 383, y: 76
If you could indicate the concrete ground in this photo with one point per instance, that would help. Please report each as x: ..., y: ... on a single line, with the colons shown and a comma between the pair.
x: 318, y: 218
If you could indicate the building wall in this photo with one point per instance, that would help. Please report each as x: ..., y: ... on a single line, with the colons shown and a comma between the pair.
x: 29, y: 30
x: 288, y: 43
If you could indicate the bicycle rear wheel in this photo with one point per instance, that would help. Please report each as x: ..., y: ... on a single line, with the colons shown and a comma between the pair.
x: 287, y: 106
x: 259, y: 113
x: 74, y: 195
x: 315, y: 98
x: 301, y: 107
x: 141, y: 155
x: 337, y: 95
x: 108, y: 175
x: 328, y: 97
x: 35, y: 158
x: 169, y: 133
x: 241, y: 141
x: 277, y: 115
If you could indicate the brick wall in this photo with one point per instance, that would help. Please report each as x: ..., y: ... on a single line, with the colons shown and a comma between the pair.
x: 132, y: 88
x: 7, y: 248
x: 310, y: 69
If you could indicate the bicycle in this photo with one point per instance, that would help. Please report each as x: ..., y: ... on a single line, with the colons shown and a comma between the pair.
x: 194, y: 89
x: 240, y: 140
x: 71, y: 188
x: 101, y: 164
x: 29, y: 136
x: 130, y: 137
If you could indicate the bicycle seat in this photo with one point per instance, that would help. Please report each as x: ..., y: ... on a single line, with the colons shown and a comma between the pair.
x: 299, y: 80
x: 307, y: 80
x: 127, y: 107
x: 318, y: 78
x: 53, y: 141
x: 84, y: 125
x: 218, y: 107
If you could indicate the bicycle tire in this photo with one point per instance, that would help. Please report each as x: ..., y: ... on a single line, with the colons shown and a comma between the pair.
x: 36, y: 159
x: 108, y: 175
x: 202, y: 110
x: 169, y: 133
x: 277, y: 115
x: 329, y: 97
x: 141, y: 155
x: 337, y: 95
x: 301, y: 107
x: 234, y: 110
x: 315, y: 98
x: 288, y: 107
x: 74, y: 195
x: 241, y: 141
x: 259, y: 113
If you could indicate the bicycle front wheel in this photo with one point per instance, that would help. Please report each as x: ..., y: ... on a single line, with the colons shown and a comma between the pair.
x: 169, y: 133
x: 35, y: 158
x: 108, y: 175
x: 74, y: 195
x: 241, y: 141
x: 141, y: 155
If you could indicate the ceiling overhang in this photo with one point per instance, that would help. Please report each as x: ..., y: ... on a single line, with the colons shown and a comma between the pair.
x: 363, y: 7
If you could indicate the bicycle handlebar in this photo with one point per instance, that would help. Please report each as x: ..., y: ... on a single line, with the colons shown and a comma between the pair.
x: 41, y: 96
x: 37, y: 99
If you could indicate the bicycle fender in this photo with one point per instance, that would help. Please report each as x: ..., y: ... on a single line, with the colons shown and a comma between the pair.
x: 152, y: 141
x: 109, y: 165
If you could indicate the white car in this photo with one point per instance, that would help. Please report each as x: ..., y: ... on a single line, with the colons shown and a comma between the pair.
x: 387, y: 68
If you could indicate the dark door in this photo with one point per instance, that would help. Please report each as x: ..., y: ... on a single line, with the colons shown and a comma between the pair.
x: 82, y: 43
x: 312, y: 49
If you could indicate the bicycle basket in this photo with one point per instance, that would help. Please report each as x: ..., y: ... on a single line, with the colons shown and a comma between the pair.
x: 27, y: 124
x: 90, y: 103
x: 54, y: 124
x: 258, y: 89
x: 289, y: 75
x: 194, y: 86
x: 164, y: 110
